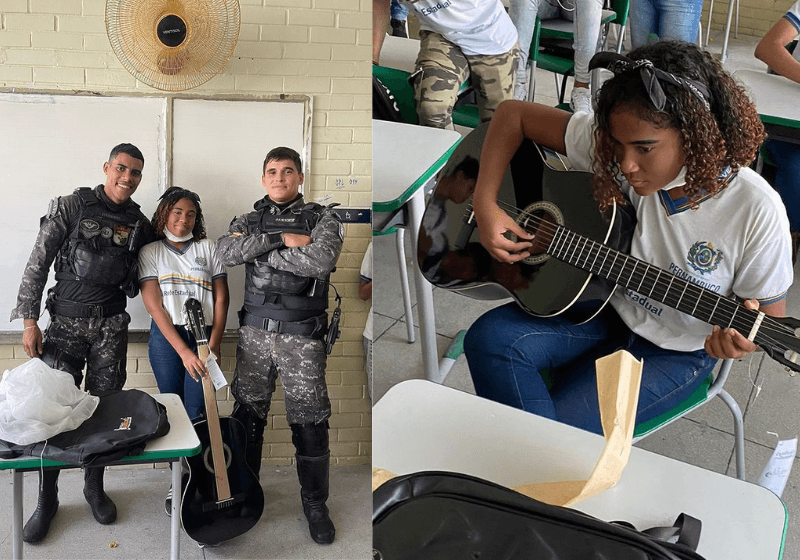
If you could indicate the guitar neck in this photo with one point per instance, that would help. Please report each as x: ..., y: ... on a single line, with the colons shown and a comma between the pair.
x: 214, y: 431
x: 653, y: 282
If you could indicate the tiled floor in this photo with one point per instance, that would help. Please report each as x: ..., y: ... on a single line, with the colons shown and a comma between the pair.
x: 766, y: 393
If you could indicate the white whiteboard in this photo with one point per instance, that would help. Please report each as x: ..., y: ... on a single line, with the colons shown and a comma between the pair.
x: 52, y: 143
x: 218, y: 151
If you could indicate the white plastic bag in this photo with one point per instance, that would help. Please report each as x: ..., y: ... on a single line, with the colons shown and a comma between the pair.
x: 38, y: 402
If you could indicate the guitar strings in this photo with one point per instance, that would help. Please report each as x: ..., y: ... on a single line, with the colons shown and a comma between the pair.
x: 768, y: 328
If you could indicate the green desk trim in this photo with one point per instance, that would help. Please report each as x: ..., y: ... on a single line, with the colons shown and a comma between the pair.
x: 27, y: 462
x: 395, y: 204
x: 789, y: 123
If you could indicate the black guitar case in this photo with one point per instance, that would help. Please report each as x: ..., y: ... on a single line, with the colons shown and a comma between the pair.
x: 446, y: 516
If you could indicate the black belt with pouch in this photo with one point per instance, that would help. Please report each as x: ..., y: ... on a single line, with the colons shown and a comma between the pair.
x: 313, y: 328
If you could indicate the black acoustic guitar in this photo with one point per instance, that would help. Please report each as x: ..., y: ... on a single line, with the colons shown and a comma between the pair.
x: 222, y: 497
x: 579, y: 254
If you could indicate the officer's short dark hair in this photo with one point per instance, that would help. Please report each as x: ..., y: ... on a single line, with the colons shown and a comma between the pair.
x: 283, y: 153
x: 129, y: 149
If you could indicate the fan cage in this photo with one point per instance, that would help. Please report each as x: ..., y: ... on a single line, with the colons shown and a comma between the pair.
x: 212, y: 30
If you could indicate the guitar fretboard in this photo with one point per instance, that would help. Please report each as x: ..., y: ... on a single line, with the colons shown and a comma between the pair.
x: 652, y: 282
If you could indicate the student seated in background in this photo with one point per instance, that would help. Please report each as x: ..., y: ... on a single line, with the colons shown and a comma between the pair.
x: 586, y: 16
x: 675, y: 134
x: 772, y: 50
x: 459, y: 39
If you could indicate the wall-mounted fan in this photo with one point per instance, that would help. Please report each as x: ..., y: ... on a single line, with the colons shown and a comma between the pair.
x: 173, y: 45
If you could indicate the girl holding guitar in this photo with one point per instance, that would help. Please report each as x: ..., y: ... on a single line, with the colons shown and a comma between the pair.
x: 674, y: 134
x: 182, y: 264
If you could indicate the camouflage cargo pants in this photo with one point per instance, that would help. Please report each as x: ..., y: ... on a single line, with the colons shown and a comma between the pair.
x: 441, y: 68
x: 262, y: 356
x: 100, y: 344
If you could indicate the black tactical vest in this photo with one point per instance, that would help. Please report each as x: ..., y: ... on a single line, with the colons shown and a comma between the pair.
x: 277, y: 294
x: 103, y: 246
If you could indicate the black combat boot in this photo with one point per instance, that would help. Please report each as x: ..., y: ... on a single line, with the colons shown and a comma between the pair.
x: 103, y: 508
x: 254, y: 429
x: 36, y: 528
x: 313, y: 466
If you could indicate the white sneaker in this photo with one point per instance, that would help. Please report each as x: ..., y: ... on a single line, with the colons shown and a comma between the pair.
x: 580, y: 101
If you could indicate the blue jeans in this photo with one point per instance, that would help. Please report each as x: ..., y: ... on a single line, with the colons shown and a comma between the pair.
x: 787, y: 177
x: 507, y: 349
x: 669, y: 19
x: 586, y: 15
x: 398, y: 11
x: 170, y: 374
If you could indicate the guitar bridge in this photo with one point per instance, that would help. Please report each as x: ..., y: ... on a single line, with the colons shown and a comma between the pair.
x: 223, y: 504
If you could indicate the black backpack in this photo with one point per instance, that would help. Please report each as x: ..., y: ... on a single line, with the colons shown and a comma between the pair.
x: 449, y: 516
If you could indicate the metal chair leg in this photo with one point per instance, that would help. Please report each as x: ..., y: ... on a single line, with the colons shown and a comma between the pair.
x: 738, y: 432
x: 401, y: 257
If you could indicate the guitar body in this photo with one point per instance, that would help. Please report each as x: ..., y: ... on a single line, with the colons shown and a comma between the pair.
x: 203, y: 522
x: 451, y: 256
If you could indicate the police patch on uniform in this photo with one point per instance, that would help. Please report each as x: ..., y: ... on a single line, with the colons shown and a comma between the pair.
x: 89, y: 228
x: 106, y: 232
x: 703, y: 257
x: 121, y: 234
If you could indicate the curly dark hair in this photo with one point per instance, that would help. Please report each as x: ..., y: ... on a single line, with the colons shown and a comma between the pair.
x: 167, y: 201
x: 730, y: 134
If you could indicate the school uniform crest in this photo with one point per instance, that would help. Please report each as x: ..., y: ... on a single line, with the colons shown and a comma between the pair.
x: 703, y: 257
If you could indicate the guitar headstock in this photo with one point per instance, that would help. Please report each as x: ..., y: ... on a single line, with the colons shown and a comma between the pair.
x: 782, y: 344
x: 193, y: 313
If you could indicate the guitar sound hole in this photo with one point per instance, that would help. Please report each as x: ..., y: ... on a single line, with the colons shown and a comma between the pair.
x: 541, y: 219
x: 208, y: 459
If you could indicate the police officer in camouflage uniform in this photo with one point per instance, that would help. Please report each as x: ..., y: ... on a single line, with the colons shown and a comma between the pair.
x: 289, y: 248
x: 93, y: 236
x: 459, y: 40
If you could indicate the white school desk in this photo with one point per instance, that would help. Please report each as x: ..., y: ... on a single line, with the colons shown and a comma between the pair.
x: 405, y: 157
x: 419, y: 425
x: 777, y: 101
x: 399, y: 53
x: 180, y: 441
